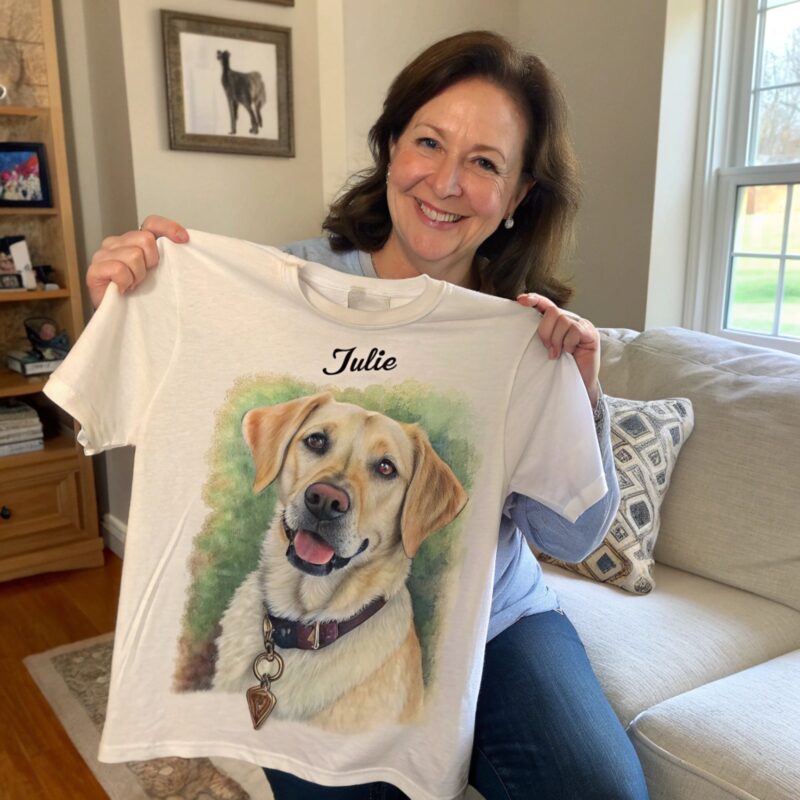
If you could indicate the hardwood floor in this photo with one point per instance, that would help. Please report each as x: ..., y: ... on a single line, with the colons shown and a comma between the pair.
x: 37, y: 759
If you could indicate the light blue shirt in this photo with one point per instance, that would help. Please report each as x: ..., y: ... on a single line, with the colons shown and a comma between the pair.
x: 519, y: 585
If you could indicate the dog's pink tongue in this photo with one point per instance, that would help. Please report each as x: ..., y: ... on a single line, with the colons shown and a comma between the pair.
x: 311, y: 548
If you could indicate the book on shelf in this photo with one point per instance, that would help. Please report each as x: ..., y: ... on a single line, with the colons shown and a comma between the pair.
x: 28, y: 446
x: 21, y: 429
x: 18, y: 418
x: 29, y: 362
x: 21, y: 434
x: 16, y: 412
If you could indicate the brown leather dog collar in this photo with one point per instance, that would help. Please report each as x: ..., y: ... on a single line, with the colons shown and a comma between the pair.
x: 289, y: 633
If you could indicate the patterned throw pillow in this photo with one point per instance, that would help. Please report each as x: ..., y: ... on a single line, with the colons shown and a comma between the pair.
x: 646, y: 437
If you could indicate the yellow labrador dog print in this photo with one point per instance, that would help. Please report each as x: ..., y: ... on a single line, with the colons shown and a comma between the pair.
x: 335, y: 528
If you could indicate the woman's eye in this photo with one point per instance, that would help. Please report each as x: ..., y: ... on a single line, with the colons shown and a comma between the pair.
x: 484, y: 163
x: 316, y: 442
x: 386, y: 468
x: 426, y: 141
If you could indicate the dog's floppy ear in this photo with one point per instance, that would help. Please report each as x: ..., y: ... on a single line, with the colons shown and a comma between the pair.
x: 268, y: 431
x: 433, y: 498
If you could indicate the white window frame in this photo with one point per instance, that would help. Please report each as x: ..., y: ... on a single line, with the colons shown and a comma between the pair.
x: 729, y: 52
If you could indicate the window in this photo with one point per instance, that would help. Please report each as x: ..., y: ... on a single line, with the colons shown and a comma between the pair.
x: 763, y: 281
x: 774, y: 134
x: 746, y: 282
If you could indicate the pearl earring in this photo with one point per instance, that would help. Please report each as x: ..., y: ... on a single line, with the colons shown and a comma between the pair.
x: 509, y: 223
x: 388, y: 173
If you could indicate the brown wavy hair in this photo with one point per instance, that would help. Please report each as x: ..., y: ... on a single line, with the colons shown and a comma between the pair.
x: 525, y: 258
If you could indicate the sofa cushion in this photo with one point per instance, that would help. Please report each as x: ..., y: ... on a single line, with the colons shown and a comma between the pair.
x: 731, y: 512
x: 646, y: 649
x: 647, y: 436
x: 734, y: 738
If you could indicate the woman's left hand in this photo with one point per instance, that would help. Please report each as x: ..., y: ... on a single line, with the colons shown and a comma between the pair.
x: 564, y: 332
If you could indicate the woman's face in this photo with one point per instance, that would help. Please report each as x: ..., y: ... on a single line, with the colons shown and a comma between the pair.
x: 455, y: 175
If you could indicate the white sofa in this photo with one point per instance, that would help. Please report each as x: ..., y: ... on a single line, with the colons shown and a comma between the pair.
x: 705, y: 670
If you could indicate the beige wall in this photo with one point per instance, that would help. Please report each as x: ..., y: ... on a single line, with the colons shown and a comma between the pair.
x: 630, y: 71
x: 101, y: 167
x: 99, y: 137
x: 608, y: 56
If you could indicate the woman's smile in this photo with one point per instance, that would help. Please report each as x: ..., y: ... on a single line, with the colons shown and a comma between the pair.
x: 436, y: 215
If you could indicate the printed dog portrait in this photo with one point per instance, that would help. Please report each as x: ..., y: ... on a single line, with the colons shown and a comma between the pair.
x: 357, y: 495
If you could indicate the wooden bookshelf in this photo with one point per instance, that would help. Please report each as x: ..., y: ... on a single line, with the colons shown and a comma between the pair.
x: 49, y: 519
x: 24, y: 111
x: 24, y: 296
x: 12, y: 384
x: 28, y: 212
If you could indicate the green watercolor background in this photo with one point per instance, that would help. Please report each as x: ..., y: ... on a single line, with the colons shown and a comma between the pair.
x: 227, y: 548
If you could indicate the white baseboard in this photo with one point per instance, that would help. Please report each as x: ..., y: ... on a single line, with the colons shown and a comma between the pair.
x: 114, y: 531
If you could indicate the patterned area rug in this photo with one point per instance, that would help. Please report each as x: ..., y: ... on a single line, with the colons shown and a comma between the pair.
x: 74, y: 679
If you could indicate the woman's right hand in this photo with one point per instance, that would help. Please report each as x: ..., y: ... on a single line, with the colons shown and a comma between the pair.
x: 124, y: 260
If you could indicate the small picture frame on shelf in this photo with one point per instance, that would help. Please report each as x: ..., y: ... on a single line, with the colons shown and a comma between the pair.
x: 11, y: 281
x: 24, y: 181
x: 15, y: 258
x: 229, y: 85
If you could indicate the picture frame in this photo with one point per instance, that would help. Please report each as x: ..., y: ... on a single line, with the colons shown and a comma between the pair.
x: 229, y: 85
x: 24, y: 177
x: 11, y: 281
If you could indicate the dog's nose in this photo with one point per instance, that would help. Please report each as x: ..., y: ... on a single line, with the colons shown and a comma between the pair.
x: 326, y: 501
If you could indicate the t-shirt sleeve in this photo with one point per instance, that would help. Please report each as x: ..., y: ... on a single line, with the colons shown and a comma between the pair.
x: 552, y: 453
x: 114, y: 370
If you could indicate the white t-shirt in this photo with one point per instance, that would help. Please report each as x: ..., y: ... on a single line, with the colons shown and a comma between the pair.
x: 318, y: 447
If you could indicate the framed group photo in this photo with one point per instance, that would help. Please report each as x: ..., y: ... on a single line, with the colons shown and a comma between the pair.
x: 23, y: 175
x: 229, y: 85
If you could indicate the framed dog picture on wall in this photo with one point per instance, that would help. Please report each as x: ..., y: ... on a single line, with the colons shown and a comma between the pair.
x: 229, y: 85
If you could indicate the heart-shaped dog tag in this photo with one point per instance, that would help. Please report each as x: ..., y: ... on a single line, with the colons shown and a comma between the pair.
x: 260, y: 701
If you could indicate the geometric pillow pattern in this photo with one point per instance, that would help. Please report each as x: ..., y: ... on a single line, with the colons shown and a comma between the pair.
x: 646, y: 436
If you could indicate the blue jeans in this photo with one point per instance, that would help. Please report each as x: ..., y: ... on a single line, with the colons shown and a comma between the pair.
x: 544, y: 729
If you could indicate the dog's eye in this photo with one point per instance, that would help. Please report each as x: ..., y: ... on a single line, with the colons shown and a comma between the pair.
x: 317, y: 442
x: 386, y: 468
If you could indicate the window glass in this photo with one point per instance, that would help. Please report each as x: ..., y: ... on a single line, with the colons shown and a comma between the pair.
x: 776, y: 3
x: 790, y: 307
x: 780, y: 62
x: 760, y: 215
x: 775, y: 128
x: 753, y: 288
x: 793, y: 238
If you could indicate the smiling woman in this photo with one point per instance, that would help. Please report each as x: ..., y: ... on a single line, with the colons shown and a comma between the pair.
x: 493, y: 121
x: 456, y: 172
